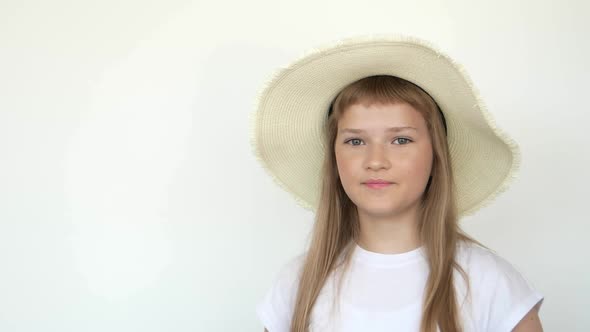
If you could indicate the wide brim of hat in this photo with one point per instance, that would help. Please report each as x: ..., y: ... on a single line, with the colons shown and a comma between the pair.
x: 290, y: 112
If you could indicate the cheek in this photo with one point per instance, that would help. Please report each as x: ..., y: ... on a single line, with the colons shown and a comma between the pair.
x: 418, y: 167
x: 347, y: 167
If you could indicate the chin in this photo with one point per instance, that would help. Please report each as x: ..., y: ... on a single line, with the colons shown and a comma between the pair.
x: 378, y: 209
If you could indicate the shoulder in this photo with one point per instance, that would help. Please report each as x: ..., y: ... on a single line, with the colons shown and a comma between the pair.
x: 275, y: 308
x: 289, y: 274
x: 485, y: 265
x: 287, y: 277
x: 480, y: 260
x: 501, y: 294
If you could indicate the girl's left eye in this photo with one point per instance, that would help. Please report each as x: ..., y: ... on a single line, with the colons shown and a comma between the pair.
x: 403, y: 139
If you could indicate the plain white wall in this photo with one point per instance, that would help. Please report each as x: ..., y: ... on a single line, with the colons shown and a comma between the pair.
x: 130, y: 200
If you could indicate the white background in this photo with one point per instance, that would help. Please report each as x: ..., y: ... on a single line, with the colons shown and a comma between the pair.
x: 129, y: 196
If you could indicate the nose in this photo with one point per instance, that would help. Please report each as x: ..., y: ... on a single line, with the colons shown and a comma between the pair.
x: 377, y: 157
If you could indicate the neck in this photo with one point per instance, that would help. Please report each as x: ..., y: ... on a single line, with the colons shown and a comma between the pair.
x: 389, y: 234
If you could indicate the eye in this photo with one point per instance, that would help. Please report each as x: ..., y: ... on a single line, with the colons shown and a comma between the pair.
x: 353, y: 140
x: 403, y: 140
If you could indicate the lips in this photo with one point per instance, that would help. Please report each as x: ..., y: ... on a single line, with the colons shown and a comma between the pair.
x: 377, y: 183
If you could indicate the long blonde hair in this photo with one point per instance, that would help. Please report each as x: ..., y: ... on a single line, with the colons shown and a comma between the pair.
x: 336, y: 226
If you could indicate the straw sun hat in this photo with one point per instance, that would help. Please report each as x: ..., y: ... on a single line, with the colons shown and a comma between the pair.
x: 290, y: 110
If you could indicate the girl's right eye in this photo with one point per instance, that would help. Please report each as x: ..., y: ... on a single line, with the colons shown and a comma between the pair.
x: 353, y: 140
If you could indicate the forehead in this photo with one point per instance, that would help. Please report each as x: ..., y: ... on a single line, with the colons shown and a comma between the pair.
x: 381, y: 116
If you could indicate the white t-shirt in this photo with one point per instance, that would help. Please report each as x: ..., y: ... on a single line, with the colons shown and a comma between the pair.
x: 383, y: 292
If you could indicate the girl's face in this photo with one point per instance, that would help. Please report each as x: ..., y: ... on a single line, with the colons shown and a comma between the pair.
x: 383, y: 142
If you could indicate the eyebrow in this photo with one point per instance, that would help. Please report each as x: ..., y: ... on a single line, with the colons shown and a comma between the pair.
x: 391, y: 129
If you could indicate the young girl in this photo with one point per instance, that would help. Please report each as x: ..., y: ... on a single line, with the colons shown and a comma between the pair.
x: 387, y: 141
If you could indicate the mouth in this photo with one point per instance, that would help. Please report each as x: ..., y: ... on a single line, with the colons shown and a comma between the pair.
x: 378, y: 185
